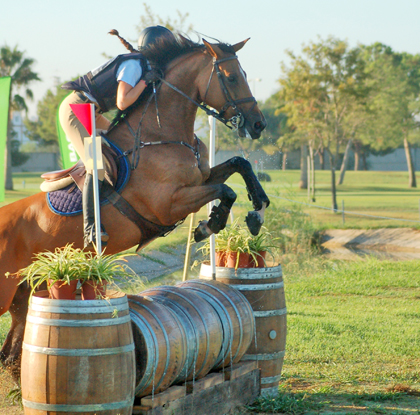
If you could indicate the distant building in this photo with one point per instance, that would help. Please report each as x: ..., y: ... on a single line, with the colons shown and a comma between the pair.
x: 19, y: 127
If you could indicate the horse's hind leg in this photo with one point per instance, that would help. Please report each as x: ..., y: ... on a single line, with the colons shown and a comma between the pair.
x: 220, y: 173
x: 11, y: 352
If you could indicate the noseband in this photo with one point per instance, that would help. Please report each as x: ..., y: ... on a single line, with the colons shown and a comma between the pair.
x: 238, y: 119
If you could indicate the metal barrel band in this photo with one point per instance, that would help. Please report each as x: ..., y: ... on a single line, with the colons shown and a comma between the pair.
x: 77, y: 408
x: 248, y: 274
x: 271, y: 313
x: 78, y: 303
x: 270, y: 379
x: 79, y: 310
x: 50, y: 351
x: 79, y: 323
x: 258, y: 287
x: 264, y: 356
x: 150, y: 340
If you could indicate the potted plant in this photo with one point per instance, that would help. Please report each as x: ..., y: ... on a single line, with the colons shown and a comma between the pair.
x: 237, y: 248
x: 97, y: 271
x: 62, y: 269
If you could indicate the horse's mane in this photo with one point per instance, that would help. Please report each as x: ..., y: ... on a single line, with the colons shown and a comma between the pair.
x: 160, y: 54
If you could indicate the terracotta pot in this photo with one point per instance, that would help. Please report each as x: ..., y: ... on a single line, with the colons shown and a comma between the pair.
x: 60, y: 290
x: 232, y: 260
x: 260, y: 260
x: 93, y: 290
x: 221, y: 258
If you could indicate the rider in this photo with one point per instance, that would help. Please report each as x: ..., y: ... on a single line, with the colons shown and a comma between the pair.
x: 116, y: 84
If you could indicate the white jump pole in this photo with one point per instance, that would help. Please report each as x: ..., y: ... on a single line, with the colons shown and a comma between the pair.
x: 96, y: 157
x: 212, y: 156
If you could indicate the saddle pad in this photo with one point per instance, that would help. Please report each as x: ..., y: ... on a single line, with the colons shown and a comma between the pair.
x: 68, y: 201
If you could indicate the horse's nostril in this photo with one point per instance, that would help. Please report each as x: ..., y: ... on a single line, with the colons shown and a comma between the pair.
x: 259, y: 126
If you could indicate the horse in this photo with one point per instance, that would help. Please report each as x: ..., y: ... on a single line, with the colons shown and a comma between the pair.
x: 170, y: 175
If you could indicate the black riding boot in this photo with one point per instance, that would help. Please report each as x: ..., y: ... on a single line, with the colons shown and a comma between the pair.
x: 89, y: 215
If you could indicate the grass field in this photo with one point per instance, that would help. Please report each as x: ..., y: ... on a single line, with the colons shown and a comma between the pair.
x: 353, y: 343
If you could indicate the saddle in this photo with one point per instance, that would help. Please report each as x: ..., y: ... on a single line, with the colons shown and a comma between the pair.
x: 76, y: 174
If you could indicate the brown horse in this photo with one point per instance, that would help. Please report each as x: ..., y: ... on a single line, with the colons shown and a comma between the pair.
x: 172, y: 179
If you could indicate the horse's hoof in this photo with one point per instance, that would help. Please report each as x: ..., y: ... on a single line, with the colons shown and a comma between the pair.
x: 254, y: 222
x: 200, y: 232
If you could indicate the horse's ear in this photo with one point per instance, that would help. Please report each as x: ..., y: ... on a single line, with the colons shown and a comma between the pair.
x: 212, y: 49
x: 240, y: 45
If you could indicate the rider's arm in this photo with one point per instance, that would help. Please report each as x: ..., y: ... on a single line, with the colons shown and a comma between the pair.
x: 127, y: 95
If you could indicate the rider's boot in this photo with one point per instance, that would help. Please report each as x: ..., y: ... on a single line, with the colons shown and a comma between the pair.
x: 89, y: 215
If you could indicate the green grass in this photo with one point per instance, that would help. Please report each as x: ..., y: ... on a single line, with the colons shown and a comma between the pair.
x: 353, y: 339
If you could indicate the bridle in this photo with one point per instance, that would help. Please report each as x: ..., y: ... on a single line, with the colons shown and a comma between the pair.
x: 237, y: 121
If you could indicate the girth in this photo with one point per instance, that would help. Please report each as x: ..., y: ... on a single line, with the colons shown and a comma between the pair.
x: 148, y: 229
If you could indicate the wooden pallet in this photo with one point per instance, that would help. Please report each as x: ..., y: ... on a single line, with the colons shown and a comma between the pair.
x: 216, y: 394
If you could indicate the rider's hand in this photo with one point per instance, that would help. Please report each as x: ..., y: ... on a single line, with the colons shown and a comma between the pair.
x: 154, y: 75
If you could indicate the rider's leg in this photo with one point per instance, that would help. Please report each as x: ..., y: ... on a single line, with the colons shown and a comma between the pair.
x: 76, y: 133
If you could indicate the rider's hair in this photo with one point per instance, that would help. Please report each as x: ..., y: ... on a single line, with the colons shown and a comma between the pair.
x: 123, y: 41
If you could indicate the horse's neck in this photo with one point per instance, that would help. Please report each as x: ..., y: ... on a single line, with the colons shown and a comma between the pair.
x: 176, y: 114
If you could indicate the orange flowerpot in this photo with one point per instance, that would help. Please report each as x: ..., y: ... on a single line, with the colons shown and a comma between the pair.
x: 93, y: 290
x: 233, y: 262
x: 60, y: 290
x: 260, y: 257
x: 221, y: 258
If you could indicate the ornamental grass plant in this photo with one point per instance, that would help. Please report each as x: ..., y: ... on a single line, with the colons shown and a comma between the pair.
x: 69, y: 264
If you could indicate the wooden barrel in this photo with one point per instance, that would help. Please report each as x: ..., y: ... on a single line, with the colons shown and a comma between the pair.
x: 264, y: 289
x: 235, y: 314
x: 161, y: 344
x: 203, y: 328
x: 78, y: 357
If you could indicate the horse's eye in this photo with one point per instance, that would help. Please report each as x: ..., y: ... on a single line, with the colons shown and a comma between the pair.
x: 231, y: 78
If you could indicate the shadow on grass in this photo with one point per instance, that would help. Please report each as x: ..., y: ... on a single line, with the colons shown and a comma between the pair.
x: 393, y: 400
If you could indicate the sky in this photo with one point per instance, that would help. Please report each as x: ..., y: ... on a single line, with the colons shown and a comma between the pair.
x: 69, y: 38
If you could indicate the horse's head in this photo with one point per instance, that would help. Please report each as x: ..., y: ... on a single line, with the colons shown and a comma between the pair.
x: 228, y: 91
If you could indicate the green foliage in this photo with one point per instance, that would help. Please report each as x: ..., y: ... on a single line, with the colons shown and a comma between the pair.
x: 148, y: 18
x: 292, y: 228
x: 44, y: 130
x: 68, y: 264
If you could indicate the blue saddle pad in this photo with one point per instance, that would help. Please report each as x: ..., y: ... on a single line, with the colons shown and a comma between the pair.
x: 64, y: 203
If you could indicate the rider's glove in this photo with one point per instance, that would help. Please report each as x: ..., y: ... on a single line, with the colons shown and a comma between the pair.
x: 154, y: 75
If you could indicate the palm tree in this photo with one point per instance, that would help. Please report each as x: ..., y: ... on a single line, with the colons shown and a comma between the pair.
x: 13, y: 63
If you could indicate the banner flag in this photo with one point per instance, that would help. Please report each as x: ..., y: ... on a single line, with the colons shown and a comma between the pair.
x: 84, y: 114
x: 5, y: 84
x: 69, y: 155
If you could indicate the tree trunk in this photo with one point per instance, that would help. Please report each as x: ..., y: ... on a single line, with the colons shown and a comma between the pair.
x: 356, y: 155
x: 303, y: 182
x: 344, y: 163
x: 284, y: 161
x: 312, y: 167
x: 410, y: 165
x: 321, y: 158
x: 333, y: 188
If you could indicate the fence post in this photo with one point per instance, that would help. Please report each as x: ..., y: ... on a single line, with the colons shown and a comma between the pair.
x: 342, y: 211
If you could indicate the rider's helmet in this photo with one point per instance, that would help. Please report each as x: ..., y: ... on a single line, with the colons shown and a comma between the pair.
x: 151, y: 34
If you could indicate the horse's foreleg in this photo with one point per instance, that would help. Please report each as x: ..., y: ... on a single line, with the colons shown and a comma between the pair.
x: 220, y: 173
x: 192, y: 199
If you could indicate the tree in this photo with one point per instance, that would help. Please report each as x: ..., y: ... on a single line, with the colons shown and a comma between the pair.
x: 44, y: 130
x: 324, y: 91
x: 150, y: 19
x: 13, y: 63
x: 393, y: 102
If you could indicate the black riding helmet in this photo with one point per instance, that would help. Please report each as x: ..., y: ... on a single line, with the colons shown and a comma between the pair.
x: 151, y: 34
